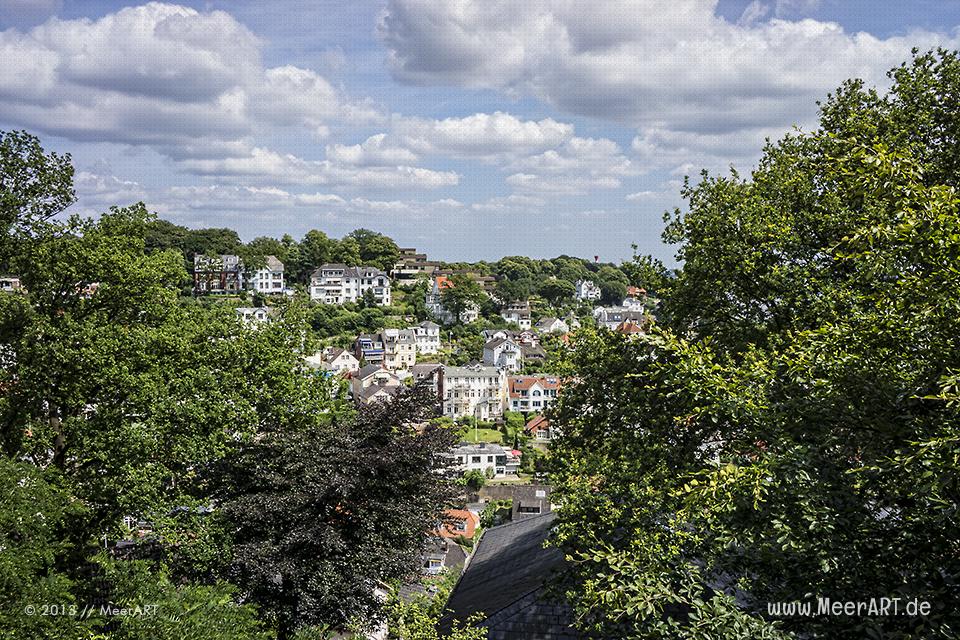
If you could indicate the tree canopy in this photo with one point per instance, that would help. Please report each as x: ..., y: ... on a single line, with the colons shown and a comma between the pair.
x: 789, y: 431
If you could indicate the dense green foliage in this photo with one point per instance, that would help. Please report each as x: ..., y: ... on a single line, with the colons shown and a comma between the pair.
x: 790, y: 430
x: 122, y: 401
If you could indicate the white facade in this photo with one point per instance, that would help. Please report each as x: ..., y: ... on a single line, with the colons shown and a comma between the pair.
x: 268, y: 279
x: 253, y: 315
x: 434, y: 304
x: 339, y: 284
x: 633, y: 304
x: 503, y: 353
x: 552, y: 325
x: 335, y: 360
x: 587, y: 290
x: 613, y: 317
x: 483, y: 456
x: 428, y: 337
x: 399, y: 349
x: 532, y: 393
x: 475, y: 391
x: 518, y: 313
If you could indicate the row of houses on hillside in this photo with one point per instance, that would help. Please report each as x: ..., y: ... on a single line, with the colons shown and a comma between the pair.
x: 397, y: 349
x: 485, y: 392
x: 226, y: 273
x: 475, y: 390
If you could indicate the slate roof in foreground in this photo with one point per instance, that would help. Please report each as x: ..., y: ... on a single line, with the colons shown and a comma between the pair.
x: 507, y: 579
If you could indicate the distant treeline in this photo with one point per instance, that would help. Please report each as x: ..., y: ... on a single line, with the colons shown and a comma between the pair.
x: 518, y: 277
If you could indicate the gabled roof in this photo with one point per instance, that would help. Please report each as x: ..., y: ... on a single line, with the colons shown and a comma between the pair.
x: 369, y: 370
x: 427, y: 324
x: 531, y: 351
x: 496, y: 342
x: 629, y: 327
x: 368, y: 392
x: 506, y: 581
x: 333, y: 353
x: 536, y: 423
x: 425, y: 369
x: 517, y: 384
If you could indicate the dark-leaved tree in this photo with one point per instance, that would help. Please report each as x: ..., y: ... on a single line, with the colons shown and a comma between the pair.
x: 323, y: 512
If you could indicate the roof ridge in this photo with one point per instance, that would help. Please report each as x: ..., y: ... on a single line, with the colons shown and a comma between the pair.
x: 520, y: 521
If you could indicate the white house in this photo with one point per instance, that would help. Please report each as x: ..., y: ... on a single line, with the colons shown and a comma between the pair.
x: 526, y: 337
x: 399, y: 349
x: 473, y: 390
x: 334, y: 359
x: 613, y: 317
x: 10, y: 284
x: 552, y: 325
x: 268, y: 279
x: 518, y: 313
x: 503, y: 353
x: 434, y: 303
x: 428, y: 337
x: 254, y: 315
x: 483, y: 456
x: 339, y: 284
x: 632, y: 304
x: 531, y: 393
x: 587, y: 290
x: 374, y: 383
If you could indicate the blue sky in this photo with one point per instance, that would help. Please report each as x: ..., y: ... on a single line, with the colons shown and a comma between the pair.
x: 470, y: 129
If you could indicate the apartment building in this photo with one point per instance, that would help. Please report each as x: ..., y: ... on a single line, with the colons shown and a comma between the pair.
x: 340, y: 284
x: 217, y: 274
x: 399, y: 349
x: 268, y: 279
x: 473, y: 390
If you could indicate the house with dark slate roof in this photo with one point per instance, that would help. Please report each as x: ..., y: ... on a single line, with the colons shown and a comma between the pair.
x: 507, y: 581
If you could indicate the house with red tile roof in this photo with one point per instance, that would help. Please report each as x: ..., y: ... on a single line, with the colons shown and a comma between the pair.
x: 527, y: 394
x: 458, y: 522
x: 538, y: 427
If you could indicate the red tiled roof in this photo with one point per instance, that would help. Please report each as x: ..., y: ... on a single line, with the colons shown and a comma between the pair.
x: 629, y: 326
x: 537, y: 423
x: 524, y: 383
x: 449, y: 530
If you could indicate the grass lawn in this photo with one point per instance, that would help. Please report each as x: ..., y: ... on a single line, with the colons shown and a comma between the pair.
x: 483, y: 435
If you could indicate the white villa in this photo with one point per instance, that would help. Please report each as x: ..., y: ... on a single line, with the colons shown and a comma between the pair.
x: 483, y: 456
x: 473, y: 390
x: 268, y: 279
x: 399, y: 349
x: 334, y: 359
x: 503, y: 353
x: 428, y: 337
x: 532, y: 393
x: 587, y: 290
x: 254, y: 315
x: 518, y: 313
x: 552, y: 325
x: 339, y: 284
